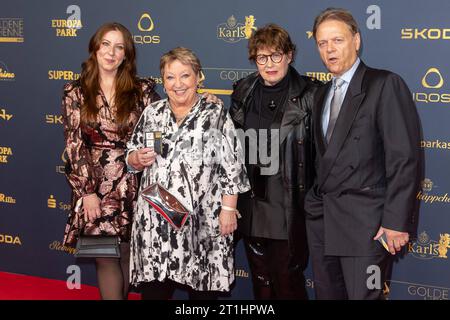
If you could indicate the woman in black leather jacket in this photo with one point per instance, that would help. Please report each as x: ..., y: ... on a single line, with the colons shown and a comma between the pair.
x: 273, y: 107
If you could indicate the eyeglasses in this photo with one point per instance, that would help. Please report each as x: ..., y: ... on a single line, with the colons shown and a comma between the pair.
x: 276, y: 57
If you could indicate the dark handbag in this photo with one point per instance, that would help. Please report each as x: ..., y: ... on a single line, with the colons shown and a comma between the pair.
x: 166, y: 204
x: 97, y: 247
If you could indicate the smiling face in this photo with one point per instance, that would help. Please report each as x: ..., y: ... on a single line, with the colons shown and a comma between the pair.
x: 338, y: 46
x: 272, y: 72
x: 111, y: 52
x: 180, y: 83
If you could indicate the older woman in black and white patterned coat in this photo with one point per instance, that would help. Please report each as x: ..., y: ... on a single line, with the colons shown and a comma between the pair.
x: 201, y: 164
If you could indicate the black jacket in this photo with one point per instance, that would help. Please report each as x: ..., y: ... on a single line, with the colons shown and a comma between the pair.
x: 370, y: 173
x: 296, y: 157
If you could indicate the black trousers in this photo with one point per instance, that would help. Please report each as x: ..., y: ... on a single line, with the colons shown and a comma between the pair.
x: 344, y: 278
x: 271, y: 276
x: 156, y: 290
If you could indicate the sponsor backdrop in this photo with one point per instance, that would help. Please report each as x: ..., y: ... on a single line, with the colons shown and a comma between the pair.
x: 42, y: 45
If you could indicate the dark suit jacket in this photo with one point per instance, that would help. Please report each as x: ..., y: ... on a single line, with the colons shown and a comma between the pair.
x: 368, y: 175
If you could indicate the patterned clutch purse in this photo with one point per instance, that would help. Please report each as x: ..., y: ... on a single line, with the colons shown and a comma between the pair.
x: 166, y: 204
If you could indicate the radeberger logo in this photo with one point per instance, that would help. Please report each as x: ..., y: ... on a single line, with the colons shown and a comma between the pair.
x: 145, y: 25
x: 425, y: 248
x: 4, y: 115
x: 7, y: 199
x: 68, y: 27
x: 5, y: 153
x: 11, y: 30
x: 425, y: 34
x: 66, y: 75
x: 432, y: 79
x: 321, y: 76
x: 233, y: 32
x: 8, y: 239
x: 58, y: 246
x: 5, y: 74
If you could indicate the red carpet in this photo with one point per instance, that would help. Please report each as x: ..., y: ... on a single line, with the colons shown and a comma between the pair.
x: 22, y: 287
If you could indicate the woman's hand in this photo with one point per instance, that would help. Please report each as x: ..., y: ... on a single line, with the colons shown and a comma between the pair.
x: 227, y: 222
x: 142, y: 158
x: 91, y: 208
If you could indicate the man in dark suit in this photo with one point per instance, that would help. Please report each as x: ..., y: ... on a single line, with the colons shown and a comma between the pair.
x: 367, y: 135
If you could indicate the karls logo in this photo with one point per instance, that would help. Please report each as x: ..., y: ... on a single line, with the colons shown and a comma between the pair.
x: 5, y: 73
x: 432, y: 79
x: 68, y: 27
x: 11, y: 30
x: 65, y: 75
x: 4, y: 115
x: 426, y: 196
x: 7, y: 199
x: 5, y: 153
x: 425, y: 248
x: 425, y: 34
x: 146, y: 25
x: 233, y: 31
x: 8, y: 239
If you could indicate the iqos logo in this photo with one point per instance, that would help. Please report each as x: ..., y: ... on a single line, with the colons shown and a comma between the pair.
x: 426, y: 83
x: 146, y: 24
x: 145, y: 17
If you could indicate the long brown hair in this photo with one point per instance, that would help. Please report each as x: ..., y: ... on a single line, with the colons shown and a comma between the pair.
x: 127, y: 89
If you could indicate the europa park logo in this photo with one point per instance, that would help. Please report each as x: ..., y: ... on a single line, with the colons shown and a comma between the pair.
x: 232, y: 31
x: 426, y: 248
x: 68, y: 27
x: 432, y: 81
x: 146, y: 25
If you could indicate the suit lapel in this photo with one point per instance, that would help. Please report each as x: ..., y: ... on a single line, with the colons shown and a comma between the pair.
x: 347, y: 114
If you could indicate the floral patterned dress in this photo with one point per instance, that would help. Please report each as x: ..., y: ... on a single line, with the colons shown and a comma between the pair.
x: 200, y: 161
x: 96, y: 164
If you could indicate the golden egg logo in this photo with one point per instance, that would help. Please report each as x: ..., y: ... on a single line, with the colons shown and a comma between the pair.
x: 145, y: 25
x: 145, y: 19
x: 428, y: 74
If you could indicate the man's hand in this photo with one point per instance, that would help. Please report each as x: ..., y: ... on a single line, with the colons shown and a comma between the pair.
x: 395, y: 239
